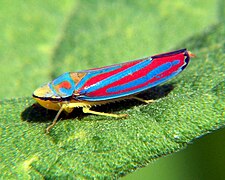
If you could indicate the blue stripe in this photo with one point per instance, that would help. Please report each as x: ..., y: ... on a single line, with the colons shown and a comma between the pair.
x: 141, y: 80
x: 117, y: 76
x: 175, y: 62
x: 159, y: 69
x: 104, y: 98
x: 154, y: 73
x: 92, y: 73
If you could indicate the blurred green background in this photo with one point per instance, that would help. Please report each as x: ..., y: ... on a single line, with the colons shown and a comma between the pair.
x: 40, y: 39
x: 204, y: 159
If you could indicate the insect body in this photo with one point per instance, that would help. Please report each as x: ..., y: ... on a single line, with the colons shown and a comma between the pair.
x: 110, y: 83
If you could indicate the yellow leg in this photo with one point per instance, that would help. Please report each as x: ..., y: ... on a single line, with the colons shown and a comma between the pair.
x: 87, y: 110
x: 143, y: 100
x: 69, y: 107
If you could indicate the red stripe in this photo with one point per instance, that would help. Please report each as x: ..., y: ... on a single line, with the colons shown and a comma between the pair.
x: 138, y: 74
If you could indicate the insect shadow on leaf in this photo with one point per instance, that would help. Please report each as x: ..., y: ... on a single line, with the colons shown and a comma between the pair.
x: 37, y: 113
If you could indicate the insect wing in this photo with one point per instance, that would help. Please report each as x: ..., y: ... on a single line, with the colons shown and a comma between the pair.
x: 132, y: 77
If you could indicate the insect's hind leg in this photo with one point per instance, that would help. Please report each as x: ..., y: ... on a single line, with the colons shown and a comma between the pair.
x: 87, y: 110
x: 143, y: 100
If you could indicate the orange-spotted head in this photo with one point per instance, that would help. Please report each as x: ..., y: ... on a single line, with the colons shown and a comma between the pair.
x: 51, y: 94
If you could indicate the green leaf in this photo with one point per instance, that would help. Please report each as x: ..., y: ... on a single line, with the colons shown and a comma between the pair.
x: 28, y: 33
x: 42, y: 39
x: 85, y: 146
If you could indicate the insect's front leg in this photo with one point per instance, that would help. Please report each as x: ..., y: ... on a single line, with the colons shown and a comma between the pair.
x: 63, y: 107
